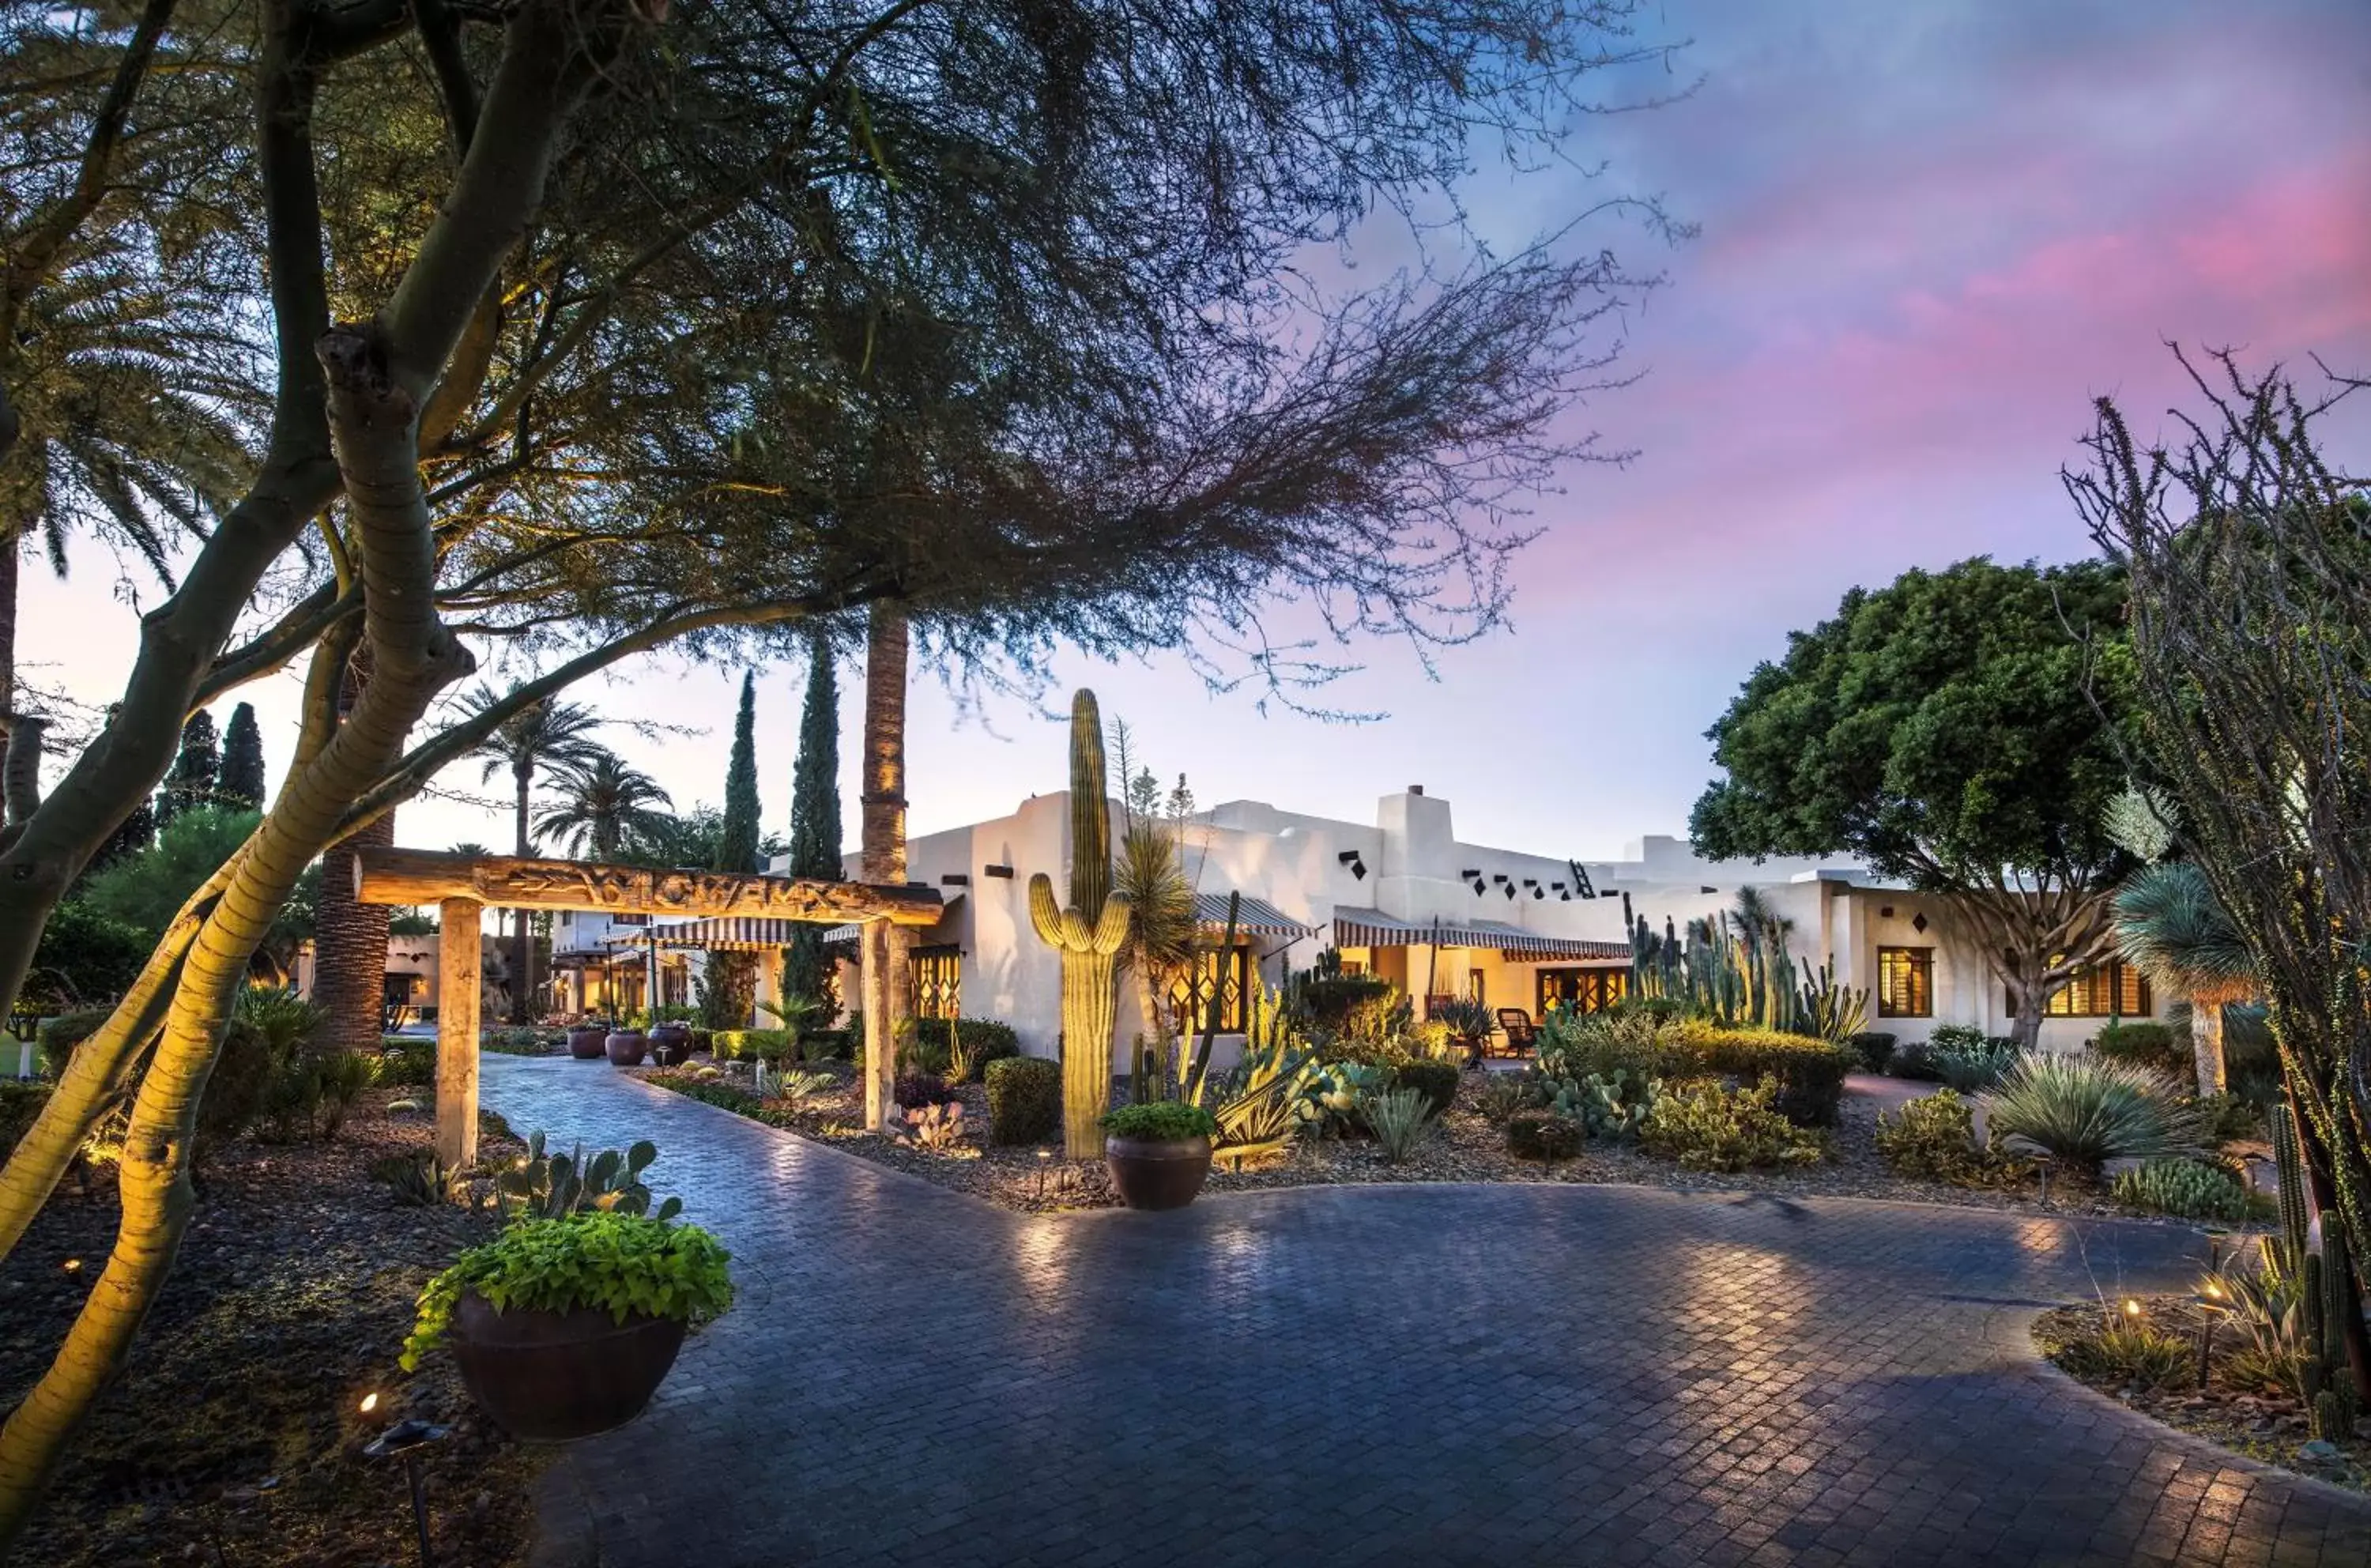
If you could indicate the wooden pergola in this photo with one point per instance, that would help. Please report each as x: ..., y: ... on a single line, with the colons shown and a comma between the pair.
x: 462, y: 885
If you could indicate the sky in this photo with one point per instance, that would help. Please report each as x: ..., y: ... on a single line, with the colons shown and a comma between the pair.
x: 1928, y: 235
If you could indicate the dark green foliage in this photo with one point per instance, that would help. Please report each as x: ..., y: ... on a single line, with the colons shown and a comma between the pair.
x: 1875, y: 1048
x: 20, y: 1104
x: 522, y: 1040
x: 814, y: 822
x: 406, y: 1063
x: 914, y: 1091
x: 1503, y: 1094
x: 235, y: 1087
x: 2130, y: 1353
x: 732, y: 981
x: 146, y: 891
x: 58, y: 1037
x: 1437, y: 1080
x: 1973, y: 1065
x: 539, y: 1186
x: 86, y: 956
x: 2189, y: 1188
x: 242, y: 785
x: 623, y: 1263
x: 1933, y: 1138
x: 1706, y: 1128
x: 416, y: 1178
x: 1163, y: 1119
x: 2085, y: 1111
x: 1332, y: 1004
x: 1914, y: 1059
x: 976, y: 1042
x: 191, y: 781
x: 2148, y: 1044
x: 772, y: 1046
x: 342, y: 1075
x: 1542, y: 1136
x: 1025, y: 1100
x: 2231, y: 1117
x: 1810, y: 1073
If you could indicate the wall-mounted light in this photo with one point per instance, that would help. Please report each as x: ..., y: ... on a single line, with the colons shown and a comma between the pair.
x: 1357, y: 866
x: 1005, y: 871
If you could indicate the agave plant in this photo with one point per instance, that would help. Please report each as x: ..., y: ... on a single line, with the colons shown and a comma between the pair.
x: 2082, y: 1112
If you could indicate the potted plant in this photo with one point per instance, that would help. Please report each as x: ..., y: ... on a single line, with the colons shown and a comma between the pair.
x: 566, y: 1326
x: 627, y: 1043
x: 588, y: 1041
x: 671, y: 1037
x: 1159, y: 1152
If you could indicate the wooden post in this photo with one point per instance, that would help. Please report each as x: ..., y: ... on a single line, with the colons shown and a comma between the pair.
x: 457, y: 1031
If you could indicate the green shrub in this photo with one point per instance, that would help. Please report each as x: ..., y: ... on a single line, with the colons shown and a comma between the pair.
x: 772, y: 1046
x: 1572, y: 1046
x: 2145, y: 1045
x: 1875, y: 1048
x: 1161, y: 1120
x: 1972, y: 1066
x: 234, y: 1089
x: 1504, y: 1094
x: 288, y: 1020
x: 1400, y: 1120
x: 1934, y: 1138
x: 406, y: 1063
x: 1810, y: 1073
x: 343, y: 1076
x: 1912, y: 1059
x: 20, y: 1104
x: 1707, y: 1127
x: 1025, y: 1100
x: 2131, y: 1352
x: 1954, y: 1037
x: 1436, y: 1080
x: 1542, y: 1136
x: 1613, y: 1108
x: 58, y: 1037
x: 519, y: 1040
x: 2084, y: 1112
x: 2189, y: 1188
x: 623, y: 1263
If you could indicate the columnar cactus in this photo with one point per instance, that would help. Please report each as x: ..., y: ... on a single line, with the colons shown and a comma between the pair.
x: 2289, y: 1161
x: 1087, y: 932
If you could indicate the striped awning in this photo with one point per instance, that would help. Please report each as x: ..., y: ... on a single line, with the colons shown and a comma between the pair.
x: 1254, y: 917
x: 849, y: 932
x: 713, y: 933
x: 1372, y: 927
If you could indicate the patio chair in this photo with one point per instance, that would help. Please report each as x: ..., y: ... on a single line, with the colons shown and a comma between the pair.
x: 1520, y: 1031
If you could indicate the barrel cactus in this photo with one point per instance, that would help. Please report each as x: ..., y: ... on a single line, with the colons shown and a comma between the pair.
x: 1087, y: 932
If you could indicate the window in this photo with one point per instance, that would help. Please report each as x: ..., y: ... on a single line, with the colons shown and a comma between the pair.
x: 1905, y: 982
x: 2114, y: 989
x: 1581, y: 991
x: 1189, y: 995
x: 1474, y: 988
x: 938, y: 982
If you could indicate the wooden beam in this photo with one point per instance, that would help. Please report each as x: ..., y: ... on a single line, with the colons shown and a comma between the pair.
x: 457, y: 1031
x: 426, y: 876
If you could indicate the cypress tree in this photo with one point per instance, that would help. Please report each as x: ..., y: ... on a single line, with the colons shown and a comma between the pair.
x: 733, y: 977
x: 242, y: 761
x: 814, y: 822
x: 191, y: 781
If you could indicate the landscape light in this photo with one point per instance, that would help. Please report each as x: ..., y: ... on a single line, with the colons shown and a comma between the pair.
x: 405, y: 1439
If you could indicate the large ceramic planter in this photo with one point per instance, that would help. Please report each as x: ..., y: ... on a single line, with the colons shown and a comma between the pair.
x: 626, y: 1048
x: 671, y: 1043
x: 1157, y: 1173
x: 554, y: 1375
x: 588, y: 1041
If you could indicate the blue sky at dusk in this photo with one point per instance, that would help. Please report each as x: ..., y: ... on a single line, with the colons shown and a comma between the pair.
x: 1930, y: 234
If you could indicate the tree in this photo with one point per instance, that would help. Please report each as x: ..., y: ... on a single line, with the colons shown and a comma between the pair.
x: 2170, y: 927
x: 196, y: 769
x: 2250, y: 559
x: 815, y: 849
x: 540, y: 742
x: 884, y: 949
x: 242, y: 783
x: 350, y: 946
x: 1943, y: 729
x: 604, y: 807
x: 731, y: 997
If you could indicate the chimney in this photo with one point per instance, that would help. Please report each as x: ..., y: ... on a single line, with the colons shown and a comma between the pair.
x: 1415, y: 788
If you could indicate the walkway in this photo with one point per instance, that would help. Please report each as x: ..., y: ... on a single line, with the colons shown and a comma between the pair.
x: 1490, y: 1375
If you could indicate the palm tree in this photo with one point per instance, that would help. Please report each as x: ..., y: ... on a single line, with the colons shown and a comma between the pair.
x: 881, y: 845
x: 543, y: 740
x: 605, y: 805
x: 2170, y: 926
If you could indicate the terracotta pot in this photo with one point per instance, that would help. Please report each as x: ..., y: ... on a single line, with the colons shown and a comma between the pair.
x: 671, y: 1043
x: 587, y: 1042
x: 625, y: 1047
x: 554, y: 1375
x: 1157, y: 1173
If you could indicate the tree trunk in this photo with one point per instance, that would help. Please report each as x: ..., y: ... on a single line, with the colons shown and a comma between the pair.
x: 2026, y: 999
x: 523, y: 935
x: 2206, y: 1042
x: 9, y: 551
x: 884, y: 947
x: 350, y: 949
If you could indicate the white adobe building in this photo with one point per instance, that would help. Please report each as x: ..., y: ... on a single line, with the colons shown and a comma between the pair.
x: 1405, y: 898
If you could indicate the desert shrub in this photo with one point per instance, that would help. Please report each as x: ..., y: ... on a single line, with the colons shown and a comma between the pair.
x: 2129, y: 1351
x: 2084, y: 1112
x: 2230, y: 1117
x: 405, y: 1063
x: 1874, y: 1047
x: 343, y: 1076
x: 1542, y: 1136
x: 1933, y: 1138
x: 1436, y: 1080
x: 1614, y: 1108
x: 1572, y: 1046
x: 1656, y: 1010
x: 1912, y: 1059
x: 1972, y: 1066
x: 58, y: 1037
x: 291, y: 1094
x: 19, y: 1104
x: 914, y: 1091
x: 1400, y: 1120
x: 519, y: 1040
x: 2189, y: 1188
x: 1025, y: 1100
x: 1707, y: 1127
x: 1809, y: 1074
x: 976, y: 1041
x: 772, y: 1046
x: 287, y: 1021
x: 1343, y: 1004
x: 2144, y: 1044
x: 2265, y: 1304
x: 1504, y: 1094
x: 235, y: 1089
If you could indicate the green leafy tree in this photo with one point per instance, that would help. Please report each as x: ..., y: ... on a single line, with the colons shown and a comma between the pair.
x: 197, y: 769
x: 815, y: 849
x: 242, y: 785
x: 146, y: 890
x: 732, y: 992
x: 1943, y: 729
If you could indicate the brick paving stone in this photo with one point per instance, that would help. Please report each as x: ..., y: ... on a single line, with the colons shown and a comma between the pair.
x: 1406, y: 1375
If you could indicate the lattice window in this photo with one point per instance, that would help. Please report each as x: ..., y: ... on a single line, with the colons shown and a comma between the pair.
x: 1905, y: 982
x: 1189, y: 993
x: 1581, y: 991
x: 2114, y: 989
x: 938, y: 982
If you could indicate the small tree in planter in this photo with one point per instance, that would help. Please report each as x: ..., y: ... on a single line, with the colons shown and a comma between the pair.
x: 1159, y: 1152
x: 566, y: 1326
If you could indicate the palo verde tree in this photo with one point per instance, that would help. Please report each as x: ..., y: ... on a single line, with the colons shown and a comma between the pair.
x: 1942, y: 729
x: 813, y: 307
x: 2250, y: 559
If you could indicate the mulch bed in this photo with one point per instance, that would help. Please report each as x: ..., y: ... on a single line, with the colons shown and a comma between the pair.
x: 233, y: 1437
x: 1467, y: 1147
x: 2264, y: 1425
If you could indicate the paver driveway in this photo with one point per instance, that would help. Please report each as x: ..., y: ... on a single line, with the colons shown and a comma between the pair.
x: 1541, y: 1373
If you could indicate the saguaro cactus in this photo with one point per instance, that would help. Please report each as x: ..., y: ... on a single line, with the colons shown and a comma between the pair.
x: 1087, y: 932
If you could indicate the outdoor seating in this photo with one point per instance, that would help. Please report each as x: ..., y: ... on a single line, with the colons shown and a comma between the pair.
x: 1519, y: 1031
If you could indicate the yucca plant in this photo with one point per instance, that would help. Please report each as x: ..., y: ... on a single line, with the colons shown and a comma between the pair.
x: 2082, y: 1112
x: 1400, y: 1120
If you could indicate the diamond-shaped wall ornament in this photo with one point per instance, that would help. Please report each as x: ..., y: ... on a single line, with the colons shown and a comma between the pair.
x: 1918, y: 923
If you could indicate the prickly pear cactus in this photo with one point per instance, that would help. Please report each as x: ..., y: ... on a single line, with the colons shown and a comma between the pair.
x: 1087, y: 932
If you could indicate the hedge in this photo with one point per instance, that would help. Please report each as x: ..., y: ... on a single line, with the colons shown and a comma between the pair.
x: 1025, y: 1100
x: 1811, y: 1073
x: 1437, y: 1080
